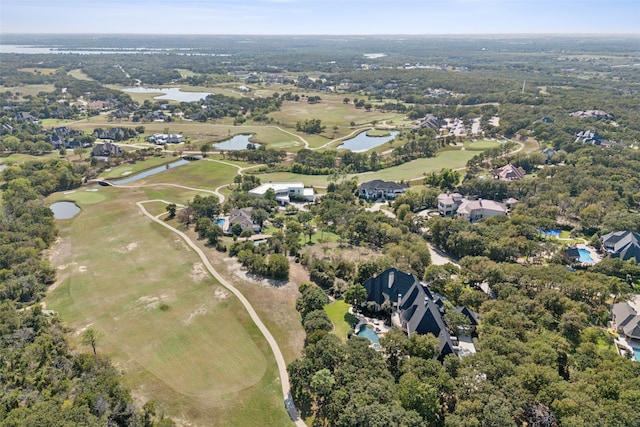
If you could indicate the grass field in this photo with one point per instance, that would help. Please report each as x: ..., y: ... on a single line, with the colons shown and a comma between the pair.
x: 480, y: 145
x: 32, y: 90
x: 79, y: 74
x: 126, y: 169
x: 38, y: 70
x: 413, y: 169
x: 343, y: 322
x: 162, y: 315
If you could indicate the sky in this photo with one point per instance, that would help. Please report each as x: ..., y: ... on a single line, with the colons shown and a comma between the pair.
x: 345, y: 17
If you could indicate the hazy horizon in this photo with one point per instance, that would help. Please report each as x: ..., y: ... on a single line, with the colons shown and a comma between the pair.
x: 315, y: 17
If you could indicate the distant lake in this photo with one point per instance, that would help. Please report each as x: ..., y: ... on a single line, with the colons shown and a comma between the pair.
x: 149, y: 172
x: 363, y: 142
x: 64, y: 210
x: 238, y: 142
x: 170, y: 93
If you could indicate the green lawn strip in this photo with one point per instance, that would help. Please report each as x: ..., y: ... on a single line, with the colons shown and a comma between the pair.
x: 200, y: 174
x: 126, y: 169
x: 23, y: 158
x: 481, y: 145
x: 79, y: 74
x: 122, y: 289
x: 343, y: 321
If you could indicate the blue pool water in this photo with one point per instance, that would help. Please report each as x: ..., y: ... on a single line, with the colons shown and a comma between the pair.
x: 585, y: 256
x: 220, y: 221
x: 550, y: 233
x: 368, y: 333
x: 636, y: 353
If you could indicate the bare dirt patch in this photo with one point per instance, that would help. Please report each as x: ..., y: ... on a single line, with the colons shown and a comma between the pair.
x: 221, y: 293
x: 198, y: 312
x: 198, y: 272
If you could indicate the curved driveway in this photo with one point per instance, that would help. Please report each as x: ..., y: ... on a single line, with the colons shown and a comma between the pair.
x: 282, y: 367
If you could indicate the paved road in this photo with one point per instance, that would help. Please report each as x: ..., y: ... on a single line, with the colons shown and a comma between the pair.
x: 282, y: 367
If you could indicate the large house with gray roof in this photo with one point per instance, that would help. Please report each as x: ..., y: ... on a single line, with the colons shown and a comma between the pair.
x: 379, y: 189
x: 416, y: 308
x: 622, y: 244
x: 626, y: 320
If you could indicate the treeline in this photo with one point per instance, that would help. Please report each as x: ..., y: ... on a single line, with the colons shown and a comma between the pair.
x: 218, y: 106
x: 260, y: 154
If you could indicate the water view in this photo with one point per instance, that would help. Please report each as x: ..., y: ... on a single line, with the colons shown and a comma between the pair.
x: 64, y: 210
x: 238, y: 142
x: 363, y: 142
x: 150, y: 172
x: 170, y: 93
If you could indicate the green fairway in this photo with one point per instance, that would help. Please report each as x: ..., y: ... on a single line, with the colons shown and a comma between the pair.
x: 126, y: 169
x: 343, y: 321
x: 183, y: 339
x: 481, y: 145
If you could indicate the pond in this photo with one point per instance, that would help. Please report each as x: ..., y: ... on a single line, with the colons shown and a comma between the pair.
x: 64, y: 210
x: 170, y: 93
x: 238, y: 142
x: 362, y: 142
x: 149, y: 172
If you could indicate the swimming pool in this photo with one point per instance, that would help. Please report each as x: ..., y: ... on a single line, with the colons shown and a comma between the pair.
x: 636, y: 353
x: 220, y: 222
x: 368, y: 333
x: 585, y: 256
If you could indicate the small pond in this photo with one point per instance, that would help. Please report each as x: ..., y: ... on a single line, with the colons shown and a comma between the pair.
x: 64, y: 210
x: 367, y: 332
x: 238, y: 142
x: 149, y: 172
x: 363, y: 142
x: 170, y: 93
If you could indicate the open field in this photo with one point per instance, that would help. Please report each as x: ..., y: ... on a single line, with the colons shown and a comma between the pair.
x: 162, y: 315
x: 481, y: 145
x: 332, y: 112
x: 39, y: 70
x: 79, y: 74
x: 454, y: 159
x: 127, y: 169
x: 32, y: 90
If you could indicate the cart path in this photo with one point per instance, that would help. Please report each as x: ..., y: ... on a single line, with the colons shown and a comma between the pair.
x: 282, y: 366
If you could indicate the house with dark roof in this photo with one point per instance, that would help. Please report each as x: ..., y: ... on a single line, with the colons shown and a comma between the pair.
x: 626, y: 320
x: 572, y: 254
x: 509, y: 172
x: 416, y: 308
x: 379, y: 189
x: 622, y: 244
x: 107, y: 150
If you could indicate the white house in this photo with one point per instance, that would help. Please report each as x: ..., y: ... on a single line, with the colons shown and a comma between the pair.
x: 475, y: 210
x: 285, y: 190
x: 163, y: 138
x: 448, y: 203
x: 379, y: 189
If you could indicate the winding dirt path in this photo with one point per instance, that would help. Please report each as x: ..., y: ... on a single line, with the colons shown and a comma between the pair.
x: 282, y: 366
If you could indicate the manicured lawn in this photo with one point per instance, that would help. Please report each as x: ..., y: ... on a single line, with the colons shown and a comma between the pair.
x: 79, y: 74
x: 161, y: 315
x: 481, y: 145
x: 343, y: 322
x: 124, y: 170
